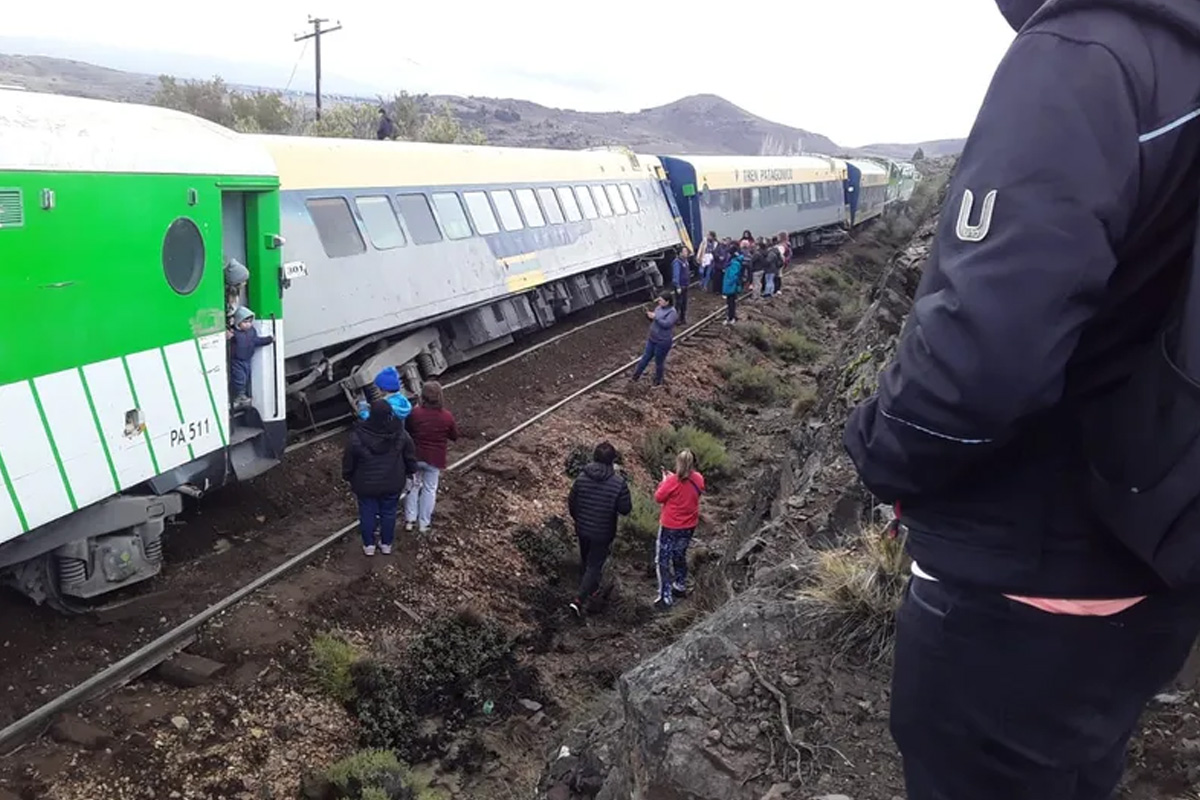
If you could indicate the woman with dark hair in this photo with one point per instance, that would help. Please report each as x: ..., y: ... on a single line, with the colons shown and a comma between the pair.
x: 662, y: 335
x: 378, y: 462
x: 432, y: 428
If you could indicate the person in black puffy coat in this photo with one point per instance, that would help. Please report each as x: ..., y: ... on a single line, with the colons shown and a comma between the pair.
x: 378, y: 463
x: 598, y: 496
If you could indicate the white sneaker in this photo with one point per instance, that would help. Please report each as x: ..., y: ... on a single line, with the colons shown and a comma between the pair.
x: 408, y: 526
x: 424, y: 529
x: 386, y: 549
x: 368, y: 549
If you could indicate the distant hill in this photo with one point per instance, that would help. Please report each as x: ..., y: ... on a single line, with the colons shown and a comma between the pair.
x: 934, y: 149
x: 697, y: 124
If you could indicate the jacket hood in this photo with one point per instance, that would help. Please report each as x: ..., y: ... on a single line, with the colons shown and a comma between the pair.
x: 598, y: 472
x: 376, y: 437
x: 241, y: 315
x: 1178, y: 15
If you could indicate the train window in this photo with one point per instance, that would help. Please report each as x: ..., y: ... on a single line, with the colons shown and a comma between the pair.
x: 630, y: 202
x: 781, y: 195
x: 736, y: 195
x: 450, y: 213
x: 550, y: 204
x: 570, y: 207
x: 415, y: 211
x: 379, y: 218
x: 529, y: 207
x: 614, y: 197
x: 336, y: 227
x: 585, y: 202
x: 506, y: 207
x: 791, y: 194
x: 183, y: 255
x: 747, y: 199
x: 481, y: 213
x: 601, y: 201
x: 755, y: 198
x: 725, y: 203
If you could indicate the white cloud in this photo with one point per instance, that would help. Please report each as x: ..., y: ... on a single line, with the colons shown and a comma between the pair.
x: 857, y: 71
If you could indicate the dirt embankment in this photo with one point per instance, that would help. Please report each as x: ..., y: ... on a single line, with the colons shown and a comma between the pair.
x: 783, y: 692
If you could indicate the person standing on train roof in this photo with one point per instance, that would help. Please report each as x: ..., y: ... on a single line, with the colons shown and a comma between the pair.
x: 432, y: 427
x: 662, y: 335
x: 1039, y: 621
x: 681, y: 276
x: 731, y: 286
x: 379, y: 461
x: 388, y: 383
x: 387, y: 126
x: 244, y: 341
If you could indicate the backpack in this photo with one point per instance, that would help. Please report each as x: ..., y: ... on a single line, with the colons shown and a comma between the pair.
x: 1142, y: 443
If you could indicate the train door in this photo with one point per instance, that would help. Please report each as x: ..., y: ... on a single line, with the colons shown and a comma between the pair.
x: 665, y: 185
x: 249, y: 236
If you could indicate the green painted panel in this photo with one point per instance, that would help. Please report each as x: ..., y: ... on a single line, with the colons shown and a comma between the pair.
x: 83, y: 281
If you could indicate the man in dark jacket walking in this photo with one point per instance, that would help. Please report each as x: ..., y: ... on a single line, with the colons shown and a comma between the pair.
x: 378, y: 463
x: 1030, y: 638
x: 598, y: 496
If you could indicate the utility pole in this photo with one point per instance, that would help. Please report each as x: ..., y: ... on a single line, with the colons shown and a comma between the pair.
x: 316, y: 34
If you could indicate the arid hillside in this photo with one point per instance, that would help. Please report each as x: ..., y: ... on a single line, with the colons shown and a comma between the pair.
x: 701, y: 123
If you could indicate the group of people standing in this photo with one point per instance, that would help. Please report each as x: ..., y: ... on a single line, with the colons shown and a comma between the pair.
x: 600, y: 496
x: 731, y: 267
x: 397, y: 451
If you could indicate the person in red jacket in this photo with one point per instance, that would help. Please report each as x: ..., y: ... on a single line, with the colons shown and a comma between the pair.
x: 432, y: 429
x: 679, y: 495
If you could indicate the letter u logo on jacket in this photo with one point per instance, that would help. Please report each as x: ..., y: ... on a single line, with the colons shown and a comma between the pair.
x: 975, y: 233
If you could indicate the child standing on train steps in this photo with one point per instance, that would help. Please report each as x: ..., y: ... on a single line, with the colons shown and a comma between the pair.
x: 679, y: 495
x: 244, y: 341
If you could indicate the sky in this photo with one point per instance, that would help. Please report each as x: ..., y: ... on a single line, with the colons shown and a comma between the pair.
x: 849, y: 69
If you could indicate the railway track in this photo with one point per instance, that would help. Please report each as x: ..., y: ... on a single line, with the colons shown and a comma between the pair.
x: 154, y: 653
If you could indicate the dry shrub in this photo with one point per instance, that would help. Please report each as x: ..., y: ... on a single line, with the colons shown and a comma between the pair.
x: 796, y: 348
x: 757, y: 335
x: 804, y: 400
x: 855, y: 593
x: 658, y: 449
x: 749, y: 382
x: 330, y: 659
x: 828, y: 303
x: 642, y: 523
x: 708, y: 418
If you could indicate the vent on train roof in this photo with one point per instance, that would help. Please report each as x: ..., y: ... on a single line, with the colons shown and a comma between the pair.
x: 12, y: 211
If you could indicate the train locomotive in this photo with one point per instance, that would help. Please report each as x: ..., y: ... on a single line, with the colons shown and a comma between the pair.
x: 118, y: 222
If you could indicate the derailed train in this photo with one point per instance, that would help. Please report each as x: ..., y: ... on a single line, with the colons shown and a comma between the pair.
x: 116, y: 224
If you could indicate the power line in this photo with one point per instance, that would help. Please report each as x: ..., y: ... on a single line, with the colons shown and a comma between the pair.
x: 318, y: 31
x: 295, y: 66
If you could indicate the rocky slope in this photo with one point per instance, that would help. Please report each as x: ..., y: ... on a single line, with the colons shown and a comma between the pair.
x: 696, y: 124
x: 756, y: 701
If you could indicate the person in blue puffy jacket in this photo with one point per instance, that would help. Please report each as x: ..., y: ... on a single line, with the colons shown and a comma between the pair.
x: 731, y: 285
x: 388, y: 382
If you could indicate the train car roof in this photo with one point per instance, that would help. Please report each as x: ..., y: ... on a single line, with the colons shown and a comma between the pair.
x: 725, y: 172
x: 55, y: 133
x: 312, y: 163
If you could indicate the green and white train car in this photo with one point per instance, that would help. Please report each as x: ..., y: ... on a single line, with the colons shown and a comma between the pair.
x: 115, y: 225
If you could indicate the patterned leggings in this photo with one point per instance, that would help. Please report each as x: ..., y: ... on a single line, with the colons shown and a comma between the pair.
x: 672, y: 558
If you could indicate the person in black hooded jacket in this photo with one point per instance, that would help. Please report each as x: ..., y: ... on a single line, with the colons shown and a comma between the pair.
x: 598, y: 496
x: 378, y: 463
x: 1031, y: 637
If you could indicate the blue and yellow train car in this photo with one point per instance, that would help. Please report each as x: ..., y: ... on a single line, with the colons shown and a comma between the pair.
x: 765, y: 195
x: 421, y: 256
x: 866, y: 190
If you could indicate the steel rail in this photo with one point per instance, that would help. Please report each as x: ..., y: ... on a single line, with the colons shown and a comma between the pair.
x: 168, y: 644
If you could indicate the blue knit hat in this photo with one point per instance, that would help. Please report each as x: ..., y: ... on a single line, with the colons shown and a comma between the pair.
x: 388, y: 380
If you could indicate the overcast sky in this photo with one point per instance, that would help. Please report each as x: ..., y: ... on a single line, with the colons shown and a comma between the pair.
x: 853, y: 70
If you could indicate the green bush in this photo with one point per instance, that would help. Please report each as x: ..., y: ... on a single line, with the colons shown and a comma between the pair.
x: 828, y: 303
x: 458, y: 662
x: 750, y: 383
x: 546, y: 549
x: 707, y: 418
x: 330, y: 661
x: 830, y: 278
x: 757, y: 335
x: 642, y: 523
x: 659, y: 448
x: 795, y: 348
